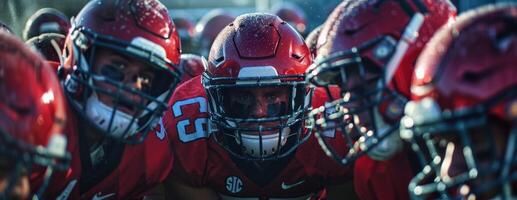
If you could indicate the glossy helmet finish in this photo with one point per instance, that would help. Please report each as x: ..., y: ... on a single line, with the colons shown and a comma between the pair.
x: 368, y: 49
x: 46, y: 20
x: 191, y: 65
x: 464, y: 102
x: 292, y: 14
x: 32, y: 112
x: 312, y: 40
x: 258, y: 51
x: 208, y: 27
x: 140, y: 29
x: 49, y: 45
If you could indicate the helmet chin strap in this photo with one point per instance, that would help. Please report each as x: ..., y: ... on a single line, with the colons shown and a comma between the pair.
x: 101, y: 115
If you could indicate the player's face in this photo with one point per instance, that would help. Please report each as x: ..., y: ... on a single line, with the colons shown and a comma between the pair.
x: 128, y: 71
x: 20, y: 188
x: 259, y: 103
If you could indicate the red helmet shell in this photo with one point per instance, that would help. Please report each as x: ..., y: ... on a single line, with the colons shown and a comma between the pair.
x: 186, y: 28
x: 191, y: 65
x: 31, y: 101
x: 127, y: 19
x: 209, y: 27
x: 353, y: 23
x: 470, y: 61
x: 258, y: 40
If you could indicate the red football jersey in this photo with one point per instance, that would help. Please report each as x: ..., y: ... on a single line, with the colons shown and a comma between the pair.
x: 383, y: 179
x: 202, y: 162
x: 141, y: 168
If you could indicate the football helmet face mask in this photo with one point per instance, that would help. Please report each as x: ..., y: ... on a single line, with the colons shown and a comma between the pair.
x: 46, y: 20
x: 32, y: 115
x: 49, y: 45
x: 258, y: 63
x: 461, y: 121
x: 368, y: 49
x: 137, y: 29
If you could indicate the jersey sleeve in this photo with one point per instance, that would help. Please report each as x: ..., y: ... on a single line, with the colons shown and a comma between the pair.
x: 185, y: 122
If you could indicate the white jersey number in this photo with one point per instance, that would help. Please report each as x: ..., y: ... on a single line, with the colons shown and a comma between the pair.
x: 199, y: 131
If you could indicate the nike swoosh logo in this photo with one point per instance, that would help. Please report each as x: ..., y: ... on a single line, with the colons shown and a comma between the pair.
x: 99, y: 196
x: 286, y: 187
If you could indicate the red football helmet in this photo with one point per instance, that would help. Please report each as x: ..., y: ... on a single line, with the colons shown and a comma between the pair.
x: 49, y: 45
x: 258, y: 52
x: 368, y: 49
x: 186, y: 30
x: 191, y: 65
x: 462, y: 117
x: 312, y: 40
x: 136, y: 29
x: 46, y: 20
x: 32, y: 113
x: 208, y: 27
x: 292, y: 14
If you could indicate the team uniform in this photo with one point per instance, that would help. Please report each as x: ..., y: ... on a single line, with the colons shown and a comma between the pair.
x: 126, y: 172
x: 126, y: 162
x: 202, y: 162
x: 388, y: 179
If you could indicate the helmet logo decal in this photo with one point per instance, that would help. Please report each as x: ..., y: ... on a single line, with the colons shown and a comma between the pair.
x: 234, y: 184
x: 409, y: 36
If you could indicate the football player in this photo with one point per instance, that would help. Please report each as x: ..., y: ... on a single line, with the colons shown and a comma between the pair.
x: 368, y: 49
x: 186, y: 30
x: 119, y: 73
x: 208, y: 27
x: 191, y: 65
x: 462, y: 117
x: 238, y: 131
x: 46, y: 20
x: 292, y: 14
x: 32, y: 118
x: 312, y: 40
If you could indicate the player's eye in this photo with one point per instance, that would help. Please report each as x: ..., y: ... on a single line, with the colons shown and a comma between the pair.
x: 112, y: 72
x: 143, y: 81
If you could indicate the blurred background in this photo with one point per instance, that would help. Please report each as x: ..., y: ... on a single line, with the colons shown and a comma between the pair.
x: 15, y: 13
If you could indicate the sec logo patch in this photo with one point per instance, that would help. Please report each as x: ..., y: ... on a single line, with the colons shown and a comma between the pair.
x: 234, y: 184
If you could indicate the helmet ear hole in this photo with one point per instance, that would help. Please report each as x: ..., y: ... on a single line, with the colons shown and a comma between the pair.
x: 296, y: 56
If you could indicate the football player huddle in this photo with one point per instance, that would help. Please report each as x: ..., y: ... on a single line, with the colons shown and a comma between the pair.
x: 385, y: 100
